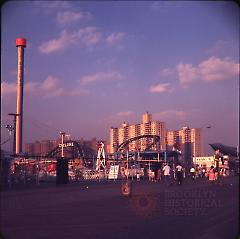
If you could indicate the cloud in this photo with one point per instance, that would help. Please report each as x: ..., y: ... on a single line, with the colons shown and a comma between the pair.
x: 119, y: 117
x: 52, y: 5
x: 58, y: 44
x: 48, y: 88
x: 89, y: 36
x: 79, y: 91
x: 32, y: 87
x: 212, y: 69
x: 100, y: 77
x: 186, y: 73
x: 50, y: 83
x: 115, y: 38
x: 215, y: 69
x: 221, y: 47
x: 160, y: 88
x: 67, y: 17
x: 167, y: 72
x: 8, y: 88
x: 218, y: 46
x: 171, y: 114
x: 86, y: 36
x: 124, y: 113
x: 83, y: 88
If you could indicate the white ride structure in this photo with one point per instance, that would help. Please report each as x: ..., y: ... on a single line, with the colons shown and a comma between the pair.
x: 101, y: 157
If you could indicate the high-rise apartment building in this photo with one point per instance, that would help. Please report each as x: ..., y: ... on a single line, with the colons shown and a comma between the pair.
x: 146, y: 118
x: 147, y: 127
x: 193, y: 136
x: 197, y: 142
x: 134, y: 131
x: 173, y: 139
x: 123, y: 133
x: 188, y: 140
x: 185, y: 135
x: 113, y: 139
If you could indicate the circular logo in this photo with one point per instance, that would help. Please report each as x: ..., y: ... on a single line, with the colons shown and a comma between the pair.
x: 144, y: 205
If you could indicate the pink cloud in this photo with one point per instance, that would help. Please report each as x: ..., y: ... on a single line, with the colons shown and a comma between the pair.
x: 215, y: 69
x: 167, y: 72
x: 86, y: 36
x: 100, y: 77
x: 186, y: 73
x: 57, y: 44
x: 50, y: 83
x: 67, y: 17
x: 115, y: 38
x: 212, y: 69
x: 8, y: 88
x: 160, y: 88
x: 47, y: 88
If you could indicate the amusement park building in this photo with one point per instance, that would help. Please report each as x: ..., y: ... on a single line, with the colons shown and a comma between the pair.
x: 147, y: 127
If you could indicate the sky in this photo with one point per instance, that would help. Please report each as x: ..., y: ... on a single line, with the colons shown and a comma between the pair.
x: 91, y: 65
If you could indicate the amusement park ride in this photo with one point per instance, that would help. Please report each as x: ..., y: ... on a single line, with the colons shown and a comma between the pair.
x: 103, y: 166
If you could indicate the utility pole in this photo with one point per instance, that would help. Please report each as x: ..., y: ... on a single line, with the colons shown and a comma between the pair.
x: 14, y: 130
x: 62, y: 138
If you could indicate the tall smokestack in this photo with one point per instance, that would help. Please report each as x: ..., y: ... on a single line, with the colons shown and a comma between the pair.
x: 20, y: 44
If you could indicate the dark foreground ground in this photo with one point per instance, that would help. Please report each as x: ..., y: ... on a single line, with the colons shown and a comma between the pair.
x: 195, y: 210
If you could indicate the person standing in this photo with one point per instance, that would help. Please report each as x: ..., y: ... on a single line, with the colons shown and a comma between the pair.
x: 217, y: 158
x: 203, y: 172
x: 138, y: 176
x: 159, y: 176
x: 211, y: 175
x: 166, y: 173
x: 192, y: 173
x: 179, y: 174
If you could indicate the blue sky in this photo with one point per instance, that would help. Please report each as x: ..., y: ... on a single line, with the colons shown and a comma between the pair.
x: 92, y: 65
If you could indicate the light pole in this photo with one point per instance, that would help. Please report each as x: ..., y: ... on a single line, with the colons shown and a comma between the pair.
x: 127, y: 165
x: 205, y: 127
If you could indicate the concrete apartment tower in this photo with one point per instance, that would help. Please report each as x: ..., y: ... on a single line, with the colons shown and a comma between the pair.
x: 146, y: 118
x: 20, y: 44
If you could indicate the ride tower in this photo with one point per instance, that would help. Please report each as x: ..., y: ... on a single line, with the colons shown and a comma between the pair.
x: 101, y: 157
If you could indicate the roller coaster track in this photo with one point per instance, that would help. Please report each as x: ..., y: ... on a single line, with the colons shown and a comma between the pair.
x: 77, y: 148
x: 156, y: 139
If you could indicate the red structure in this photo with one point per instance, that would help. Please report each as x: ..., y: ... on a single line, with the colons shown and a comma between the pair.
x: 20, y: 44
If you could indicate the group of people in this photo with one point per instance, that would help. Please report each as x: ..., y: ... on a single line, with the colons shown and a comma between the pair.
x: 178, y: 174
x: 169, y: 174
x: 215, y: 171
